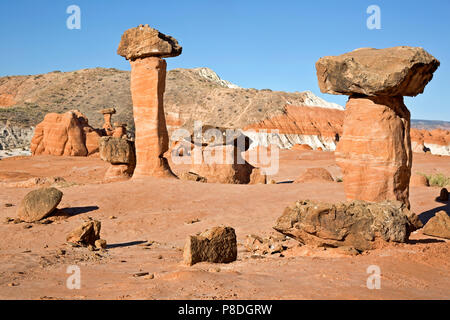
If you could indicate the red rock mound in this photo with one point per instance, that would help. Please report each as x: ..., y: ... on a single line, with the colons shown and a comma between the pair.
x: 67, y: 134
x: 315, y: 174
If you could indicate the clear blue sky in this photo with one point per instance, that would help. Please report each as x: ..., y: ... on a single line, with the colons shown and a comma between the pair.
x: 253, y: 43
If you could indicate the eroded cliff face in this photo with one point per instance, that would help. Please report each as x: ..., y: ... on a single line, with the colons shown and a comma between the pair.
x: 321, y: 127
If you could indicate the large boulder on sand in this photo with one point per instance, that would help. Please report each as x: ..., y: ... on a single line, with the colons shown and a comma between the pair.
x: 39, y: 204
x: 398, y: 71
x: 438, y: 226
x: 67, y: 134
x: 355, y: 224
x: 224, y: 164
x: 217, y: 245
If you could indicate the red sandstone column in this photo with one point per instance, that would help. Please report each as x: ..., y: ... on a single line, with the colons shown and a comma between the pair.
x: 148, y: 79
x: 374, y: 152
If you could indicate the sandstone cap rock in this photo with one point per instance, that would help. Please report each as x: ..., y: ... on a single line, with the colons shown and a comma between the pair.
x: 144, y: 42
x: 397, y: 71
x: 108, y: 111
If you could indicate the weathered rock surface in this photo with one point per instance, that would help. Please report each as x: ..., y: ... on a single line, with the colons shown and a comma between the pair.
x: 315, y: 174
x: 397, y: 71
x: 144, y: 41
x: 356, y: 224
x: 374, y: 152
x: 120, y: 152
x: 39, y: 204
x: 66, y: 134
x: 438, y: 226
x: 117, y: 150
x: 217, y: 245
x: 87, y: 234
x: 223, y: 164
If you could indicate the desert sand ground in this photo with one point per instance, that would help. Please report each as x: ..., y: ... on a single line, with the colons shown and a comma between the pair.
x: 159, y: 210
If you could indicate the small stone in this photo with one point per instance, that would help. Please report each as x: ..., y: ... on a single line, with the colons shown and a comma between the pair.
x: 192, y: 221
x: 149, y: 277
x: 160, y: 257
x: 8, y: 220
x: 39, y: 204
x: 140, y: 274
x: 9, y: 205
x: 91, y: 248
x: 27, y: 226
x: 100, y: 244
x: 13, y: 284
x: 112, y: 217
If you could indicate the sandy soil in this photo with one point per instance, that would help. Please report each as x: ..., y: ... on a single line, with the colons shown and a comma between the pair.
x: 32, y: 265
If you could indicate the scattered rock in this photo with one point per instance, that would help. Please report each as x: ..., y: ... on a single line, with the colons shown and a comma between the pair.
x: 140, y: 274
x: 190, y: 176
x: 100, y: 244
x: 85, y: 235
x: 315, y: 174
x: 438, y: 226
x: 217, y: 245
x: 356, y: 224
x: 418, y: 180
x: 8, y: 205
x: 149, y: 276
x: 192, y: 221
x: 262, y: 246
x: 39, y: 204
x: 443, y: 195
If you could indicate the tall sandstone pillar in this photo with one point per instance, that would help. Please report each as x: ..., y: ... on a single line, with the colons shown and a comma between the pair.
x: 374, y: 151
x: 145, y: 48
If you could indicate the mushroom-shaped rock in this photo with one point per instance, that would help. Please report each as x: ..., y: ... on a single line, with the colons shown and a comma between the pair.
x: 397, y: 71
x: 374, y: 151
x: 145, y: 47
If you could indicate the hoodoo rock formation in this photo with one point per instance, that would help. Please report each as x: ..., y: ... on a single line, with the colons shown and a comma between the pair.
x: 374, y: 152
x: 120, y: 153
x: 67, y: 134
x: 107, y: 115
x: 145, y: 48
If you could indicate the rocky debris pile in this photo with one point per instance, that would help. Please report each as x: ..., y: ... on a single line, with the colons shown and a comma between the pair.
x: 67, y: 134
x: 374, y: 151
x: 216, y: 245
x: 145, y: 48
x: 87, y: 235
x: 39, y: 204
x: 355, y: 224
x: 438, y: 226
x: 120, y: 153
x: 315, y: 174
x: 37, y: 181
x: 190, y: 176
x: 266, y: 245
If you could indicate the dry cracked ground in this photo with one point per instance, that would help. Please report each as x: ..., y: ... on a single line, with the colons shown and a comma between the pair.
x: 146, y: 222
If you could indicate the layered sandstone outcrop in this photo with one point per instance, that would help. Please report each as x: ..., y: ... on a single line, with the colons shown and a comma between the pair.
x: 356, y: 224
x: 375, y: 152
x: 145, y: 47
x: 67, y: 134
